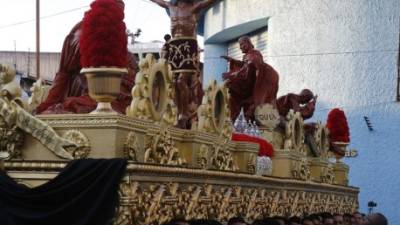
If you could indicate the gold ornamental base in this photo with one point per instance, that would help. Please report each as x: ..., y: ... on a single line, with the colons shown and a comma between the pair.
x: 104, y: 108
x: 104, y: 86
x: 152, y: 194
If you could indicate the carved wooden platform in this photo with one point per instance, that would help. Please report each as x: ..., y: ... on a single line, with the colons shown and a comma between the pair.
x: 151, y: 194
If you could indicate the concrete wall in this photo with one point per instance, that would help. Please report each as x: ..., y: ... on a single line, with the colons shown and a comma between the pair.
x: 345, y: 51
x: 26, y: 63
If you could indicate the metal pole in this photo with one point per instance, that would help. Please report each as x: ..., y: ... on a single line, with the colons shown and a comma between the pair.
x: 38, y: 39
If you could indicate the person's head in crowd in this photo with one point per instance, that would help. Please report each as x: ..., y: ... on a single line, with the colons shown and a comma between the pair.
x: 294, y: 220
x: 315, y: 219
x: 327, y: 219
x: 236, y: 221
x: 338, y: 219
x: 280, y: 219
x: 214, y: 222
x: 347, y: 219
x: 270, y: 221
x: 358, y: 218
x: 307, y: 221
x: 177, y: 221
x: 353, y: 220
x: 375, y: 219
x: 199, y: 222
x: 258, y: 222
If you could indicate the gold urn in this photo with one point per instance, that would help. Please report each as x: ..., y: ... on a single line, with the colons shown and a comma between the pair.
x: 104, y: 85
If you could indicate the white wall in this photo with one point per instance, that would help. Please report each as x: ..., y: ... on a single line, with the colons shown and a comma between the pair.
x: 345, y: 51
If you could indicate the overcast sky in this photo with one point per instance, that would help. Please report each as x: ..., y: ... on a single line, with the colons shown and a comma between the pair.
x: 62, y: 15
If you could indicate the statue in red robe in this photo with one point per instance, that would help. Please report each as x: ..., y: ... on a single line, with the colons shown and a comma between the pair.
x: 69, y: 92
x: 303, y: 103
x: 251, y: 82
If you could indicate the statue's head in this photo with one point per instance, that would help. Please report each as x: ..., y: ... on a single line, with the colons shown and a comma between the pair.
x: 245, y: 44
x: 306, y: 95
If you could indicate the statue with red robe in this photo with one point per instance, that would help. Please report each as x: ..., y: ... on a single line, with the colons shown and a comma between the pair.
x: 69, y: 92
x: 304, y: 103
x: 251, y: 82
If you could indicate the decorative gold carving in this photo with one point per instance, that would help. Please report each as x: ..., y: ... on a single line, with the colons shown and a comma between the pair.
x: 321, y: 136
x: 9, y: 87
x: 156, y: 203
x: 81, y: 141
x: 301, y: 169
x: 294, y: 132
x: 328, y: 174
x: 152, y: 95
x: 202, y: 156
x: 14, y: 115
x: 214, y: 113
x: 221, y: 156
x: 131, y: 147
x: 252, y: 164
x: 11, y: 140
x: 146, y: 196
x: 161, y: 149
x: 40, y: 92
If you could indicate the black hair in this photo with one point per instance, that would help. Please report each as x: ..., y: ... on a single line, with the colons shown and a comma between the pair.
x: 234, y: 220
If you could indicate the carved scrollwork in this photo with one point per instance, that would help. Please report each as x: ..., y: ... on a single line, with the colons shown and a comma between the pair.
x: 202, y: 156
x: 294, y: 132
x: 11, y: 140
x: 13, y: 114
x: 131, y: 146
x: 155, y: 203
x: 161, y: 149
x: 252, y: 164
x: 81, y: 141
x: 321, y: 136
x: 301, y: 169
x: 221, y: 156
x: 214, y: 113
x: 328, y: 174
x: 152, y: 95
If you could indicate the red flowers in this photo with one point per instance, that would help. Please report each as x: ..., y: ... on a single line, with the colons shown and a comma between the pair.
x: 338, y: 127
x: 104, y: 41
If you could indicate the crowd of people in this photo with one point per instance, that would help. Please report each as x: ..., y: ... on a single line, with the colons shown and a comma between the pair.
x: 313, y: 219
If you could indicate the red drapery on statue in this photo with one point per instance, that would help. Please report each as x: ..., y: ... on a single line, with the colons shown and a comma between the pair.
x: 251, y: 83
x: 69, y: 92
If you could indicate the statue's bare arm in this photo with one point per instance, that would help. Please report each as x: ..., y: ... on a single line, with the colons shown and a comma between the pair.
x: 203, y: 4
x: 161, y: 3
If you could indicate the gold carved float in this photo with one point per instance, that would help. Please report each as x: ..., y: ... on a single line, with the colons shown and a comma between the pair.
x: 198, y: 173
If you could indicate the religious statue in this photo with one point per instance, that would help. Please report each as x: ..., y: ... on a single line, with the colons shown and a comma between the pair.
x: 69, y: 92
x: 183, y: 54
x: 251, y: 82
x: 303, y: 103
